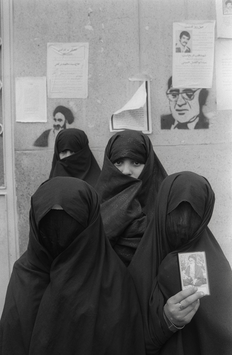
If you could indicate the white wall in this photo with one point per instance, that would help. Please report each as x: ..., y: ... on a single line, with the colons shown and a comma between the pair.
x: 125, y: 38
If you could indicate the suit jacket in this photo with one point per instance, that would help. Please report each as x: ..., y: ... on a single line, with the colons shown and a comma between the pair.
x: 167, y: 121
x: 178, y: 49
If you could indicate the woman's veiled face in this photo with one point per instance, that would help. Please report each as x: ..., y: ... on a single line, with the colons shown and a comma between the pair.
x: 58, y: 230
x: 129, y: 167
x: 65, y: 154
x: 181, y: 224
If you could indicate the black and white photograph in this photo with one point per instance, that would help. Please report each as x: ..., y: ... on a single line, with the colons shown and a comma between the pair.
x: 183, y: 42
x: 115, y: 158
x: 193, y: 271
x: 227, y: 7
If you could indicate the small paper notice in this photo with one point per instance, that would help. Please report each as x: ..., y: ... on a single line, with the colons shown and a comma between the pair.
x: 193, y: 54
x: 67, y: 70
x: 224, y: 74
x: 224, y: 18
x: 135, y: 114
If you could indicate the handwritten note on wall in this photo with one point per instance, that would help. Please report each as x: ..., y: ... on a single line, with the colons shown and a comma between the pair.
x: 67, y: 70
x: 193, y: 54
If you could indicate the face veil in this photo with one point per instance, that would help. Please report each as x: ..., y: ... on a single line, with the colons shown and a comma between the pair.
x: 181, y: 224
x: 68, y: 292
x: 183, y: 196
x: 82, y: 164
x: 57, y: 231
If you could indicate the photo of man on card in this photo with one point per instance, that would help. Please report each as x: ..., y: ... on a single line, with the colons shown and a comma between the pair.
x: 193, y: 270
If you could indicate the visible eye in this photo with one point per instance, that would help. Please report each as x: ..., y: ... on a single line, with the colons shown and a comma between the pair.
x: 67, y: 151
x: 65, y: 154
x: 135, y: 163
x: 173, y: 95
x: 188, y: 95
x: 118, y: 163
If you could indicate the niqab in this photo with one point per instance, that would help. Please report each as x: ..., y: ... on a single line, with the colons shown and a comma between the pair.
x: 80, y: 301
x: 82, y: 164
x: 210, y: 331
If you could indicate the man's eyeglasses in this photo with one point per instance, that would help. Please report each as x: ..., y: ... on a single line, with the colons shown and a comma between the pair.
x: 186, y: 94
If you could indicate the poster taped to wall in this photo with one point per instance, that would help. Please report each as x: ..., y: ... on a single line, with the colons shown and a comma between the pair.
x: 67, y: 70
x: 31, y: 99
x: 224, y: 74
x: 135, y: 114
x: 193, y: 54
x: 224, y: 18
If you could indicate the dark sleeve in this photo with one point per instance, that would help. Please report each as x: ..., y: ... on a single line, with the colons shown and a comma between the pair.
x: 159, y: 330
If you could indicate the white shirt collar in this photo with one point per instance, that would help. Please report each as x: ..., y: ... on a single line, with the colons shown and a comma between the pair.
x: 191, y: 125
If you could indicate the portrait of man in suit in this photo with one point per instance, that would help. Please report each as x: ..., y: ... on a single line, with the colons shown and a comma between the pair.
x: 186, y: 106
x: 182, y: 44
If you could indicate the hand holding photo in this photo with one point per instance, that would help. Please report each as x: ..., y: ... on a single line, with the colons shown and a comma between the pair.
x: 193, y: 271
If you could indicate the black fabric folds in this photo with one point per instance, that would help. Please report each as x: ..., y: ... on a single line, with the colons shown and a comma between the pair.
x: 53, y: 227
x: 129, y: 146
x: 82, y: 164
x: 210, y: 330
x: 82, y: 301
x: 127, y: 204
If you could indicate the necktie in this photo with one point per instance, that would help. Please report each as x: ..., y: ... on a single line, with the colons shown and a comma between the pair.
x: 182, y: 126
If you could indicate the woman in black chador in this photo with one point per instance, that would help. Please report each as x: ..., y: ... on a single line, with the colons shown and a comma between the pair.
x: 73, y: 157
x: 127, y: 188
x: 68, y: 293
x: 173, y: 324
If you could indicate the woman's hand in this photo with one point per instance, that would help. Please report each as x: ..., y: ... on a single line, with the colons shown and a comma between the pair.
x: 181, y: 307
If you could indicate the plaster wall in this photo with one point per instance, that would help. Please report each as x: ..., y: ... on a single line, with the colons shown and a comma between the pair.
x: 125, y: 38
